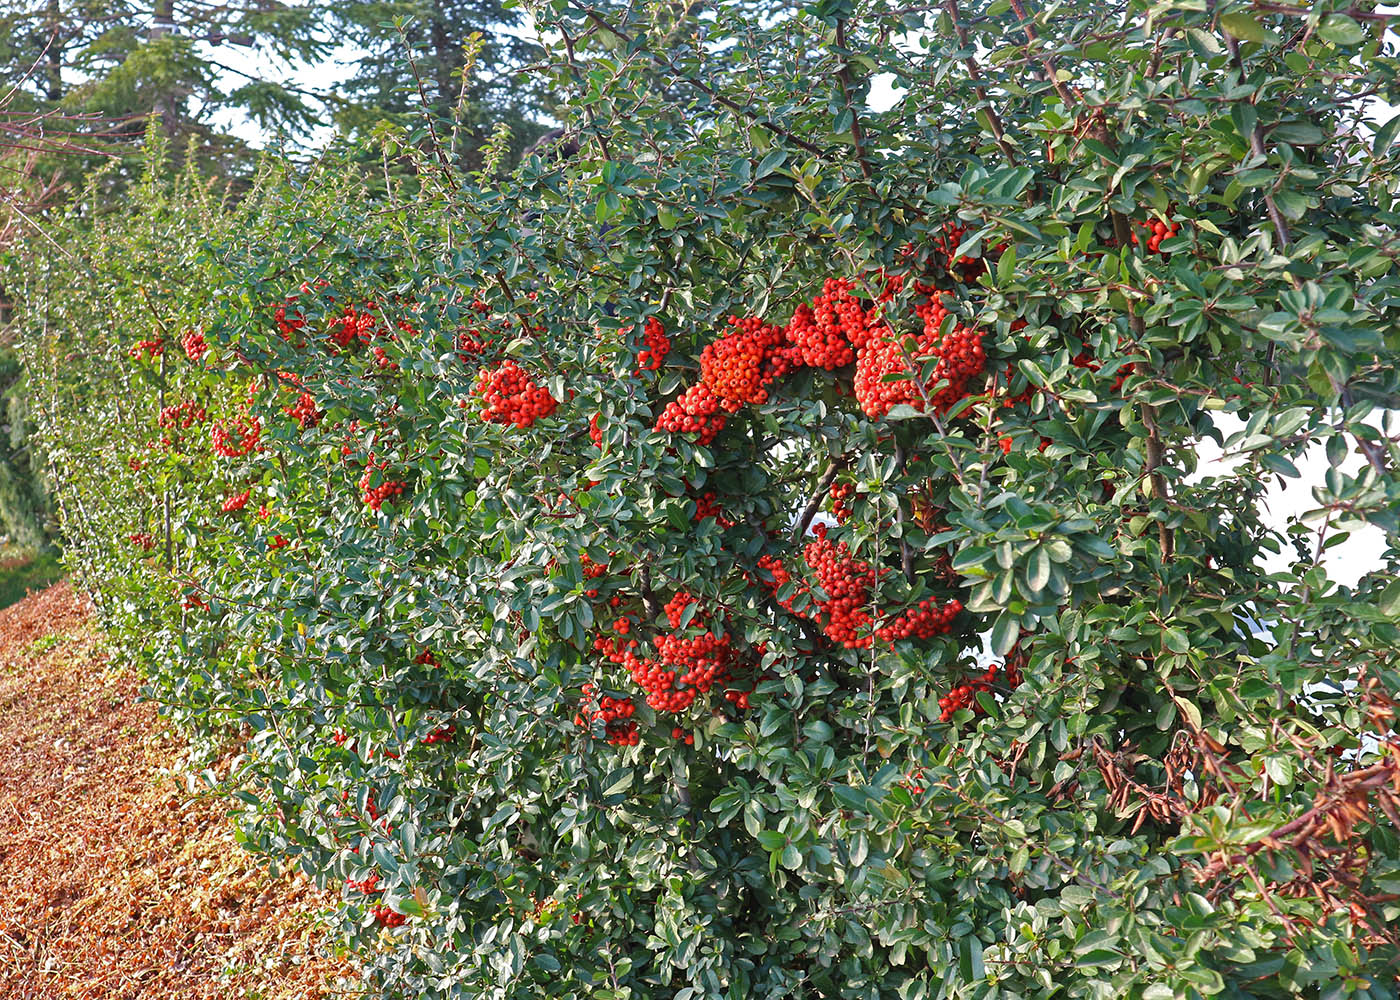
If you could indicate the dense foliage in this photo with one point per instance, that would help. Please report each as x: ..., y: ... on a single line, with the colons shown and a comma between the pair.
x: 764, y: 554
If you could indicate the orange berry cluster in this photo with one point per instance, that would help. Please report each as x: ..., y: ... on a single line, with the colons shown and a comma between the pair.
x: 512, y: 397
x: 615, y: 713
x: 658, y: 345
x: 965, y: 694
x: 194, y: 345
x: 237, y: 440
x: 739, y: 366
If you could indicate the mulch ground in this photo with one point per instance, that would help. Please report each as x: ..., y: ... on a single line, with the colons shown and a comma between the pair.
x: 116, y: 883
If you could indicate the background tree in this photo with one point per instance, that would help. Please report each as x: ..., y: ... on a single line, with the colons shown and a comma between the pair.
x: 458, y: 60
x: 130, y: 60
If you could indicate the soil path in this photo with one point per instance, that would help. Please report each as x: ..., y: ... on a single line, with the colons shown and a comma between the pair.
x: 114, y: 882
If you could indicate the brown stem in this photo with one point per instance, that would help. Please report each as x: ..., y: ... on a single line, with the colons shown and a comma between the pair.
x: 587, y: 108
x: 993, y: 119
x: 1123, y: 234
x: 823, y: 486
x: 1032, y: 38
x: 844, y: 75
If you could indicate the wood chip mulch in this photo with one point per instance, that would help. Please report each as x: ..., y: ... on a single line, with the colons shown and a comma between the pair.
x: 115, y: 882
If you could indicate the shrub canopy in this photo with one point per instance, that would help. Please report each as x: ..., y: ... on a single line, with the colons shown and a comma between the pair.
x: 882, y: 640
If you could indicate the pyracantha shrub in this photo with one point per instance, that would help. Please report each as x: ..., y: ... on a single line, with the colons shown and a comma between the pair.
x: 779, y: 535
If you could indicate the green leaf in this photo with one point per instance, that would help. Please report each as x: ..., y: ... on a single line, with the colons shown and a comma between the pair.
x: 1341, y: 30
x: 1005, y: 633
x: 1244, y: 26
x: 775, y: 159
x: 617, y: 782
x: 970, y: 965
x: 1006, y: 266
x: 1389, y: 602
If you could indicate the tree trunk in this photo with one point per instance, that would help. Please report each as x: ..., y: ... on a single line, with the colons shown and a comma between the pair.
x: 53, y: 67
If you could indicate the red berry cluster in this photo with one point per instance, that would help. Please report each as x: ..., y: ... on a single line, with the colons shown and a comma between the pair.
x: 372, y: 493
x: 236, y: 502
x: 291, y: 325
x: 304, y: 411
x: 689, y: 662
x: 615, y: 713
x: 278, y: 542
x: 847, y: 583
x: 739, y: 366
x: 148, y: 349
x: 182, y: 415
x: 386, y: 917
x: 427, y: 658
x: 831, y: 332
x: 512, y: 397
x: 965, y: 694
x: 833, y: 328
x: 441, y: 734
x: 964, y: 268
x: 707, y: 505
x: 367, y: 885
x: 958, y: 354
x: 382, y: 359
x: 847, y: 614
x: 695, y: 411
x: 658, y: 345
x: 353, y: 326
x: 194, y: 345
x: 841, y: 494
x: 923, y: 621
x: 237, y: 440
x: 1155, y: 232
x: 142, y: 540
x: 1086, y: 359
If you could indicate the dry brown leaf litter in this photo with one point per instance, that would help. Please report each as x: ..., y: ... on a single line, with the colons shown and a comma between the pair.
x: 114, y: 882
